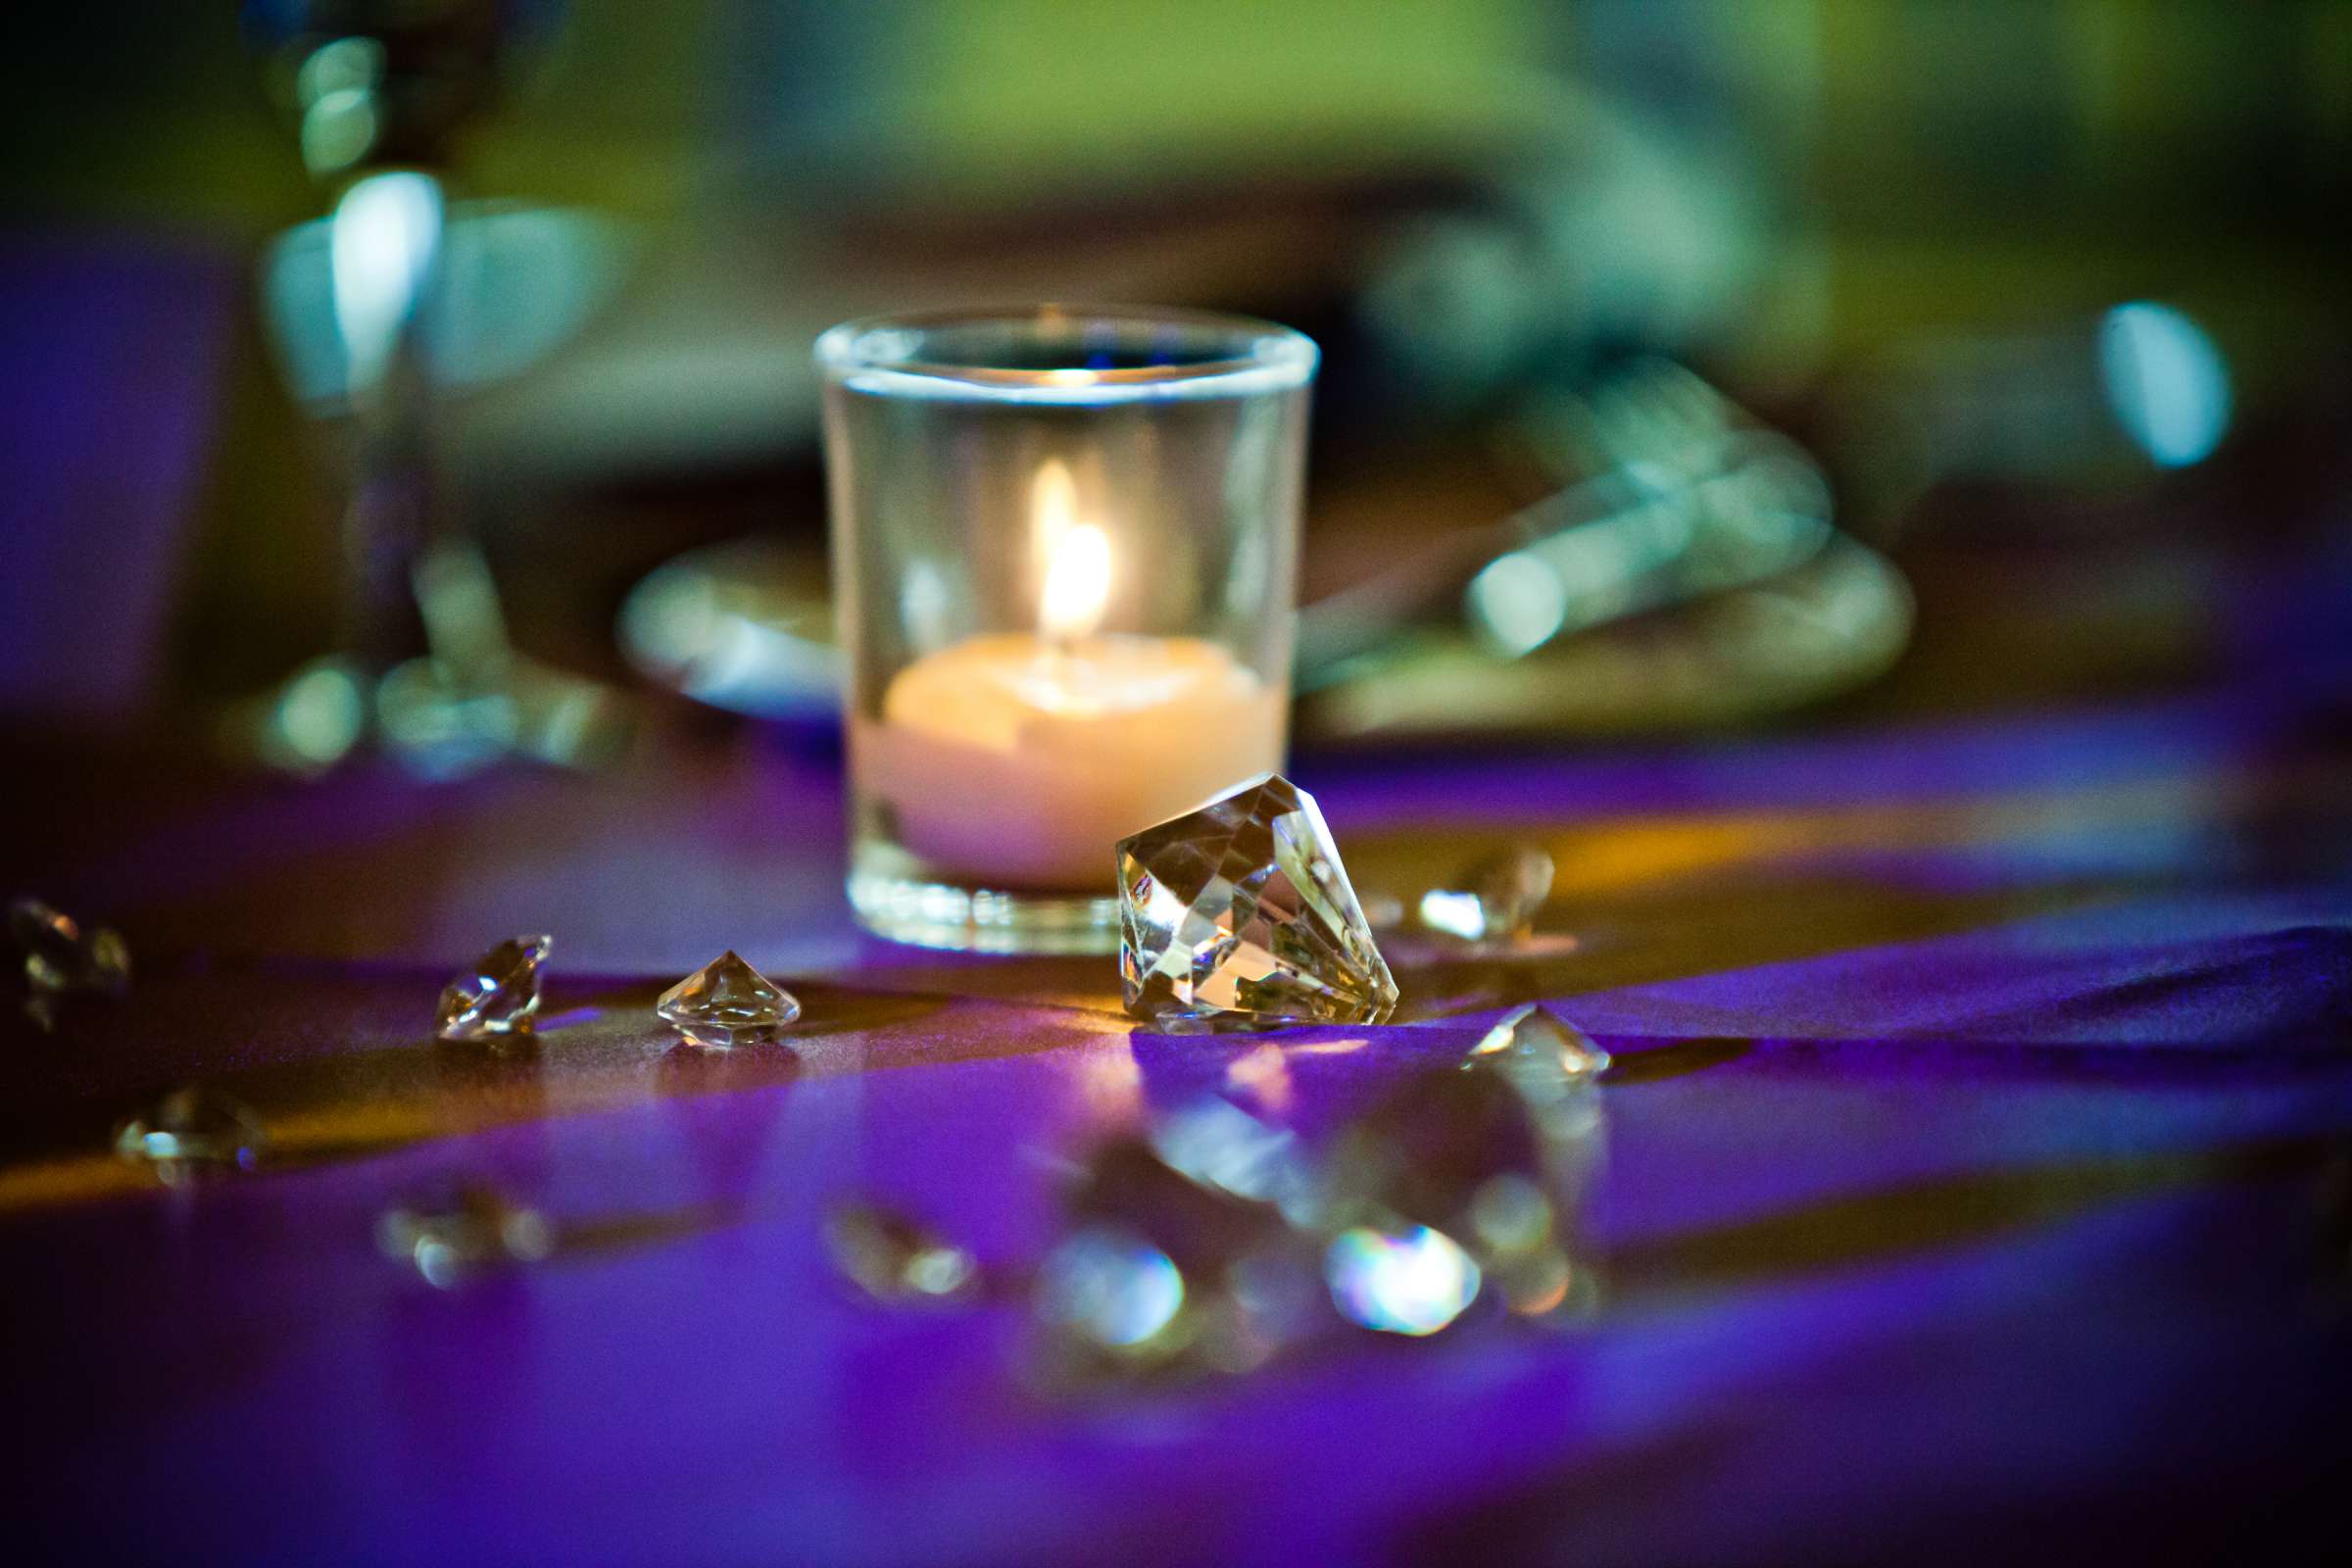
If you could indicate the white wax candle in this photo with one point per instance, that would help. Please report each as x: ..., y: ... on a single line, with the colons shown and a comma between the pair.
x: 1019, y: 759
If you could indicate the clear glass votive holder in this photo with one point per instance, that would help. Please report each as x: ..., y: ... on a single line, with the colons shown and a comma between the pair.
x: 1064, y: 561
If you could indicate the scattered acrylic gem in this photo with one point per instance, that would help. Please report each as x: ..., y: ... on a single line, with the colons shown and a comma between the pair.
x: 59, y: 956
x: 498, y: 996
x: 894, y: 1258
x: 1542, y: 1055
x: 480, y: 1227
x: 1413, y: 1281
x: 727, y: 1003
x: 1495, y: 898
x: 1240, y: 916
x: 62, y: 957
x: 193, y: 1126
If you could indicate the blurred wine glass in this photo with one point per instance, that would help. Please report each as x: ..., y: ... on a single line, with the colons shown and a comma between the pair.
x: 370, y: 307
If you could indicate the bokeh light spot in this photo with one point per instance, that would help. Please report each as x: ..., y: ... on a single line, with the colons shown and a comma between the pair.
x: 2166, y: 382
x: 1413, y: 1282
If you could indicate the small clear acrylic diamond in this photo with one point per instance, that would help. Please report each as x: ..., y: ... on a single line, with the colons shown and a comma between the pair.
x: 60, y: 956
x: 1240, y: 916
x: 1540, y: 1052
x: 727, y: 1003
x: 193, y: 1126
x: 1495, y: 898
x: 498, y: 996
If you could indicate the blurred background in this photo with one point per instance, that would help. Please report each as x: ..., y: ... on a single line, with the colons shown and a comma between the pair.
x: 430, y: 377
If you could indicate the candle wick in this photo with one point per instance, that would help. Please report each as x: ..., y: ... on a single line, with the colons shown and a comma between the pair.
x: 1061, y: 657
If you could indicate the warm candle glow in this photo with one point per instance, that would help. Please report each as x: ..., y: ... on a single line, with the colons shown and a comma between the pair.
x: 1077, y: 584
x: 1020, y: 755
x: 1077, y: 557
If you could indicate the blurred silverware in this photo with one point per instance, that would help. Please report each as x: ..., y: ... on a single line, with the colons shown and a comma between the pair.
x: 1682, y: 496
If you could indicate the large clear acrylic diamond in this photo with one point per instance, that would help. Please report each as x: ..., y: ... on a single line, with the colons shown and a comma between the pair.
x: 1239, y: 915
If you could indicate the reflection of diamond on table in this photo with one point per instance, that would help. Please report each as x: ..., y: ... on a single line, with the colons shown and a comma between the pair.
x: 61, y: 957
x: 478, y: 1227
x: 897, y: 1259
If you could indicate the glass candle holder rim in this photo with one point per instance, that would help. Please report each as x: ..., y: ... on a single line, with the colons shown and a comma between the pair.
x: 875, y: 354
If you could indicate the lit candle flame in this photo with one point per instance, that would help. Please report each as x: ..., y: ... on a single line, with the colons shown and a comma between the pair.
x: 1077, y: 584
x: 1077, y: 557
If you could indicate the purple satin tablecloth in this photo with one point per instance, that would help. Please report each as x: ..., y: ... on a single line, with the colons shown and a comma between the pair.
x: 1978, y: 1179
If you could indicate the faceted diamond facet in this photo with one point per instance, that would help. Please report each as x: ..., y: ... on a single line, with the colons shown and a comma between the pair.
x: 193, y: 1126
x: 498, y: 996
x: 1239, y: 915
x: 727, y: 1003
x: 60, y: 956
x: 1495, y: 898
x: 1541, y: 1053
